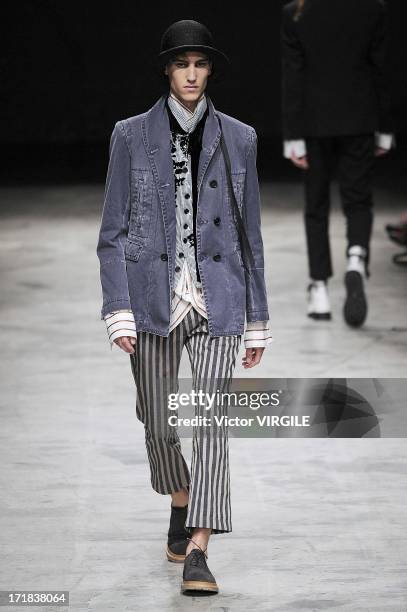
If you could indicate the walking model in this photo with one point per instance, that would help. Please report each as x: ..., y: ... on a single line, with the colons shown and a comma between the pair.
x: 336, y: 109
x: 182, y: 264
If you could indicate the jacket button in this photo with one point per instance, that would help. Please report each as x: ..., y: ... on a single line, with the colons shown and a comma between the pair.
x: 216, y: 257
x: 164, y: 256
x: 216, y: 220
x: 213, y: 184
x: 177, y: 268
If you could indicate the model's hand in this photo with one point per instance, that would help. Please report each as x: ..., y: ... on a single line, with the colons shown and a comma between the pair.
x: 126, y: 343
x: 379, y: 152
x: 300, y: 162
x: 253, y: 357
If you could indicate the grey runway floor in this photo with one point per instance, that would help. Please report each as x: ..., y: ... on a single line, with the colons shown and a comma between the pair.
x: 318, y: 524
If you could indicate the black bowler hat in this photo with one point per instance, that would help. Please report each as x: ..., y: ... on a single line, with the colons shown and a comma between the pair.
x: 189, y: 35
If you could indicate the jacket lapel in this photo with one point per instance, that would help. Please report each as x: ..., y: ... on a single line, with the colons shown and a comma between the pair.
x: 210, y: 141
x: 156, y: 139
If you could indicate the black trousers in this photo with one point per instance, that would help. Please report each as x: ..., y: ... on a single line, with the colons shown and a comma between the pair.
x: 352, y: 157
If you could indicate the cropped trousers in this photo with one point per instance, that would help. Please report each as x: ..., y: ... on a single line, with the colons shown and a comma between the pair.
x: 155, y: 366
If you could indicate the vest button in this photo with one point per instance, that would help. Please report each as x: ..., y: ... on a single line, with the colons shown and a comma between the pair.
x: 213, y: 184
x: 186, y: 210
x: 216, y: 220
x: 186, y: 226
x: 177, y: 268
x: 181, y: 254
x: 164, y: 256
x: 216, y: 257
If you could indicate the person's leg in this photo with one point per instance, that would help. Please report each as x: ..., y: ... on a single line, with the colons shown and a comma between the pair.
x: 212, y: 362
x: 355, y: 171
x: 209, y: 511
x: 155, y: 365
x: 316, y: 214
x: 317, y: 205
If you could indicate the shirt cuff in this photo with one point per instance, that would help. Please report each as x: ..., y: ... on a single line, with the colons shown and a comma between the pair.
x: 384, y: 141
x: 294, y: 146
x: 120, y: 323
x: 257, y: 334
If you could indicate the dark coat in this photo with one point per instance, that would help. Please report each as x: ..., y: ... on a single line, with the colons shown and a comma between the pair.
x: 334, y: 69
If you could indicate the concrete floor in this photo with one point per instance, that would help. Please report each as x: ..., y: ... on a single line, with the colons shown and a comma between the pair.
x: 317, y: 523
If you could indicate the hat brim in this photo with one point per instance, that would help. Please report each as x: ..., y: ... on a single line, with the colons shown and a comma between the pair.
x: 220, y: 59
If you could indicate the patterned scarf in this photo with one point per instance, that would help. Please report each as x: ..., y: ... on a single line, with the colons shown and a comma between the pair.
x: 188, y: 120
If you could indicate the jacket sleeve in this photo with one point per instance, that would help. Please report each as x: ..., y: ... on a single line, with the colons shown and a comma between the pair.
x: 377, y: 55
x: 293, y: 79
x: 114, y: 225
x: 256, y: 292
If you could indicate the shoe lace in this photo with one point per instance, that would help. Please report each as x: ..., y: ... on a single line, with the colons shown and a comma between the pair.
x: 199, y: 557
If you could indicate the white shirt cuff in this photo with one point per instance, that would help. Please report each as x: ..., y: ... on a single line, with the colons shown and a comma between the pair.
x: 257, y: 334
x: 120, y: 323
x: 384, y: 141
x: 294, y: 146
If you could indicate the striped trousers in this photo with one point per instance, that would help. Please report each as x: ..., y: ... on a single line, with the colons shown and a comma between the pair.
x: 155, y: 366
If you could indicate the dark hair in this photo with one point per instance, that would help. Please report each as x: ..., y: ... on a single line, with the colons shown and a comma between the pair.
x: 299, y: 9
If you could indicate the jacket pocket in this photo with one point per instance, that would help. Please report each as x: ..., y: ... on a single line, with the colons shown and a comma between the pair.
x: 132, y: 250
x: 141, y: 203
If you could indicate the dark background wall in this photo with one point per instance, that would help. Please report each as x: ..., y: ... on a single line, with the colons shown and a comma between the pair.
x: 71, y: 70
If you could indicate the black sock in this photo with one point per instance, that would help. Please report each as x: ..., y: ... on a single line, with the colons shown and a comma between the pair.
x: 179, y: 507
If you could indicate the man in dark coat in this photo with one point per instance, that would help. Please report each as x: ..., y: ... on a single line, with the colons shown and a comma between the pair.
x: 336, y: 108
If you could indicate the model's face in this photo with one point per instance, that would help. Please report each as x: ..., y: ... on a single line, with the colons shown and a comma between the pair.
x: 188, y: 76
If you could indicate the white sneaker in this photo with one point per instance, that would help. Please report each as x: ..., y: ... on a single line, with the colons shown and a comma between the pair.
x: 355, y: 307
x: 356, y: 260
x: 318, y: 301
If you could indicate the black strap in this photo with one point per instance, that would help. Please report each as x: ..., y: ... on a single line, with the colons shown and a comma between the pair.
x: 245, y: 247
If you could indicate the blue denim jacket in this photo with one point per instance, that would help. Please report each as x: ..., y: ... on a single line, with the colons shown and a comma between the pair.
x: 137, y: 238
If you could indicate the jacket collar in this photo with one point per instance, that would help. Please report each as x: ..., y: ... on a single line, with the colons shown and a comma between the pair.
x: 156, y: 127
x: 186, y: 119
